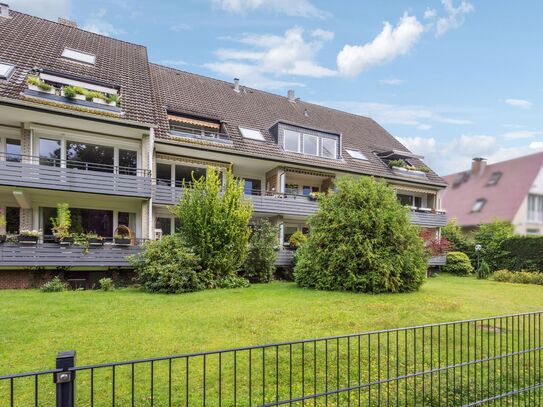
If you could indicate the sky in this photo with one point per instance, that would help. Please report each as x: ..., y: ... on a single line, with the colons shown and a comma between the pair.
x: 451, y: 79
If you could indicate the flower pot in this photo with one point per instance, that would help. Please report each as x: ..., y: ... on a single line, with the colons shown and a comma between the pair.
x: 27, y: 239
x: 114, y: 103
x: 2, y: 238
x: 122, y: 241
x: 37, y: 89
x: 94, y: 241
x: 76, y: 97
x: 99, y: 101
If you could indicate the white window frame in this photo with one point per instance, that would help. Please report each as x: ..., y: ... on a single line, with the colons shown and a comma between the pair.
x: 478, y: 205
x: 79, y: 56
x: 317, y: 144
x: 356, y: 154
x: 284, y: 140
x: 6, y: 73
x: 534, y: 215
x: 251, y: 134
x: 334, y: 153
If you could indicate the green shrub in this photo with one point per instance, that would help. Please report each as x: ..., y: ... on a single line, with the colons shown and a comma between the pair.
x: 361, y: 240
x: 483, y: 271
x: 214, y: 224
x: 492, y: 237
x: 54, y: 286
x: 69, y: 91
x: 233, y: 281
x: 169, y: 266
x: 62, y: 223
x: 458, y: 239
x: 106, y: 284
x: 458, y: 263
x: 518, y: 277
x: 260, y: 263
x: 297, y: 239
x: 523, y: 253
x: 502, y: 275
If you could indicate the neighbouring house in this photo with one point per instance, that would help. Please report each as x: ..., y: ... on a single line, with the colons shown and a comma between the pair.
x: 509, y: 190
x: 87, y: 120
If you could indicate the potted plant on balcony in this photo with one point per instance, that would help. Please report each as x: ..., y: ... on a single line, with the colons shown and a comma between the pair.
x: 296, y: 240
x: 112, y: 99
x: 123, y: 236
x: 73, y: 92
x: 94, y: 239
x: 95, y: 97
x: 35, y: 83
x: 2, y: 226
x: 61, y: 225
x: 28, y: 236
x: 313, y: 196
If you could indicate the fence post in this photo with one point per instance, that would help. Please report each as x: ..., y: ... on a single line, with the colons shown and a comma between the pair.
x: 65, y: 380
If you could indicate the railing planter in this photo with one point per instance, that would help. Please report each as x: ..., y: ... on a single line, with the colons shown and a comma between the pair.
x: 38, y: 89
x: 24, y: 239
x: 122, y: 241
x: 65, y: 241
x: 95, y: 241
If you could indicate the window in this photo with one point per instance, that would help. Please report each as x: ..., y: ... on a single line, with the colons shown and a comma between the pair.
x: 6, y: 70
x: 288, y: 232
x: 164, y: 174
x: 91, y: 157
x: 291, y: 189
x: 307, y: 190
x: 13, y: 150
x: 311, y: 144
x: 50, y: 152
x: 494, y: 178
x: 185, y: 173
x: 251, y: 134
x: 165, y: 224
x: 127, y: 219
x: 252, y: 186
x: 291, y: 141
x: 478, y: 205
x: 535, y: 208
x: 83, y: 221
x: 410, y: 200
x: 128, y: 162
x: 79, y: 56
x: 356, y: 154
x: 328, y: 148
x: 12, y: 220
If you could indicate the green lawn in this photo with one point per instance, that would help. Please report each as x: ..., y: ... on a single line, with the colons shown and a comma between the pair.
x: 126, y: 324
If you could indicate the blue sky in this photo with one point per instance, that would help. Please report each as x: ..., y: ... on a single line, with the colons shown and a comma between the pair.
x: 452, y: 79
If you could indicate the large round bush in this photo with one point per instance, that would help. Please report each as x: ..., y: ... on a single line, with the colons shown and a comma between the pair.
x: 169, y: 266
x: 458, y: 263
x: 361, y: 240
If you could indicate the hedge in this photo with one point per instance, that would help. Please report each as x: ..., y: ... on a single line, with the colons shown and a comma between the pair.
x: 524, y: 253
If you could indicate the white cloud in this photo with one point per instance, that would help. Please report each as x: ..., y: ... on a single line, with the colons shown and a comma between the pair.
x: 179, y: 27
x: 97, y: 24
x: 49, y: 9
x: 173, y: 62
x: 274, y: 56
x: 293, y: 8
x: 455, y: 16
x: 391, y: 81
x: 473, y: 146
x: 417, y: 116
x: 430, y: 13
x: 390, y: 43
x: 536, y: 144
x: 420, y: 145
x: 520, y: 134
x: 521, y: 103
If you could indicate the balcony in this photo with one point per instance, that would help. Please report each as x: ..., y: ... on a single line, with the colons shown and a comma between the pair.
x: 75, y: 176
x: 55, y: 255
x: 269, y: 202
x: 428, y: 218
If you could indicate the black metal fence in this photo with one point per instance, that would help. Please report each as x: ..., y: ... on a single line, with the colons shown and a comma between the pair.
x: 490, y: 361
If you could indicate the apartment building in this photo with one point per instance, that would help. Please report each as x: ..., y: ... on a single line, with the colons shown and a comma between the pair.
x: 509, y: 190
x: 87, y: 120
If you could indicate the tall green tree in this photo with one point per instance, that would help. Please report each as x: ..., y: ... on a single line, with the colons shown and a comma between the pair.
x: 458, y: 239
x: 214, y: 222
x: 361, y: 239
x: 260, y: 263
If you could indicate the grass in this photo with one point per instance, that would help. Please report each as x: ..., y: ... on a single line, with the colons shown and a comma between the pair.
x: 128, y: 324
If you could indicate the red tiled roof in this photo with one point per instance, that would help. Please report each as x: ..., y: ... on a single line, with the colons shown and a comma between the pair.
x: 502, y: 200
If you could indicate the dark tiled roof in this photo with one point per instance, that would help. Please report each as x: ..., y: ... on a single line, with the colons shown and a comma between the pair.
x: 191, y: 94
x: 31, y: 42
x: 503, y: 200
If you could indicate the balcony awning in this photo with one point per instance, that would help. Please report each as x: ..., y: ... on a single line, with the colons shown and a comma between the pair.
x: 394, y: 154
x: 414, y: 189
x: 194, y: 122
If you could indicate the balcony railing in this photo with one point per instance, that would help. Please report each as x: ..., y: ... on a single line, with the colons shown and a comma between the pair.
x: 70, y: 175
x: 55, y: 255
x: 200, y: 134
x: 428, y: 218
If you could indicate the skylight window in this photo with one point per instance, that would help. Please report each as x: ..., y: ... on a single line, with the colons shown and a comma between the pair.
x: 251, y: 134
x: 478, y: 205
x: 79, y: 56
x: 356, y: 154
x: 6, y: 70
x: 494, y: 178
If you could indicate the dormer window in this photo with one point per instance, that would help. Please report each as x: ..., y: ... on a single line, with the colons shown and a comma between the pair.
x: 196, y: 128
x: 79, y: 56
x: 6, y: 70
x: 311, y: 143
x: 494, y: 178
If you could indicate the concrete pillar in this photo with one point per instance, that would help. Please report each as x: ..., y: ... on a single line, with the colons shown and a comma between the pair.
x: 145, y: 230
x: 25, y: 219
x: 3, y: 213
x: 26, y: 145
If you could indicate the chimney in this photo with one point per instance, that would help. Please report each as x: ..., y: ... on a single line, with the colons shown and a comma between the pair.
x: 291, y: 96
x: 478, y: 165
x: 65, y: 21
x: 236, y: 85
x: 4, y: 10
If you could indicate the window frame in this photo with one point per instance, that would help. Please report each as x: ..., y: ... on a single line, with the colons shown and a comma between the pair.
x: 74, y: 53
x: 478, y: 205
x: 354, y: 153
x: 298, y: 136
x: 494, y: 179
x: 10, y: 69
x: 334, y: 152
x: 247, y: 130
